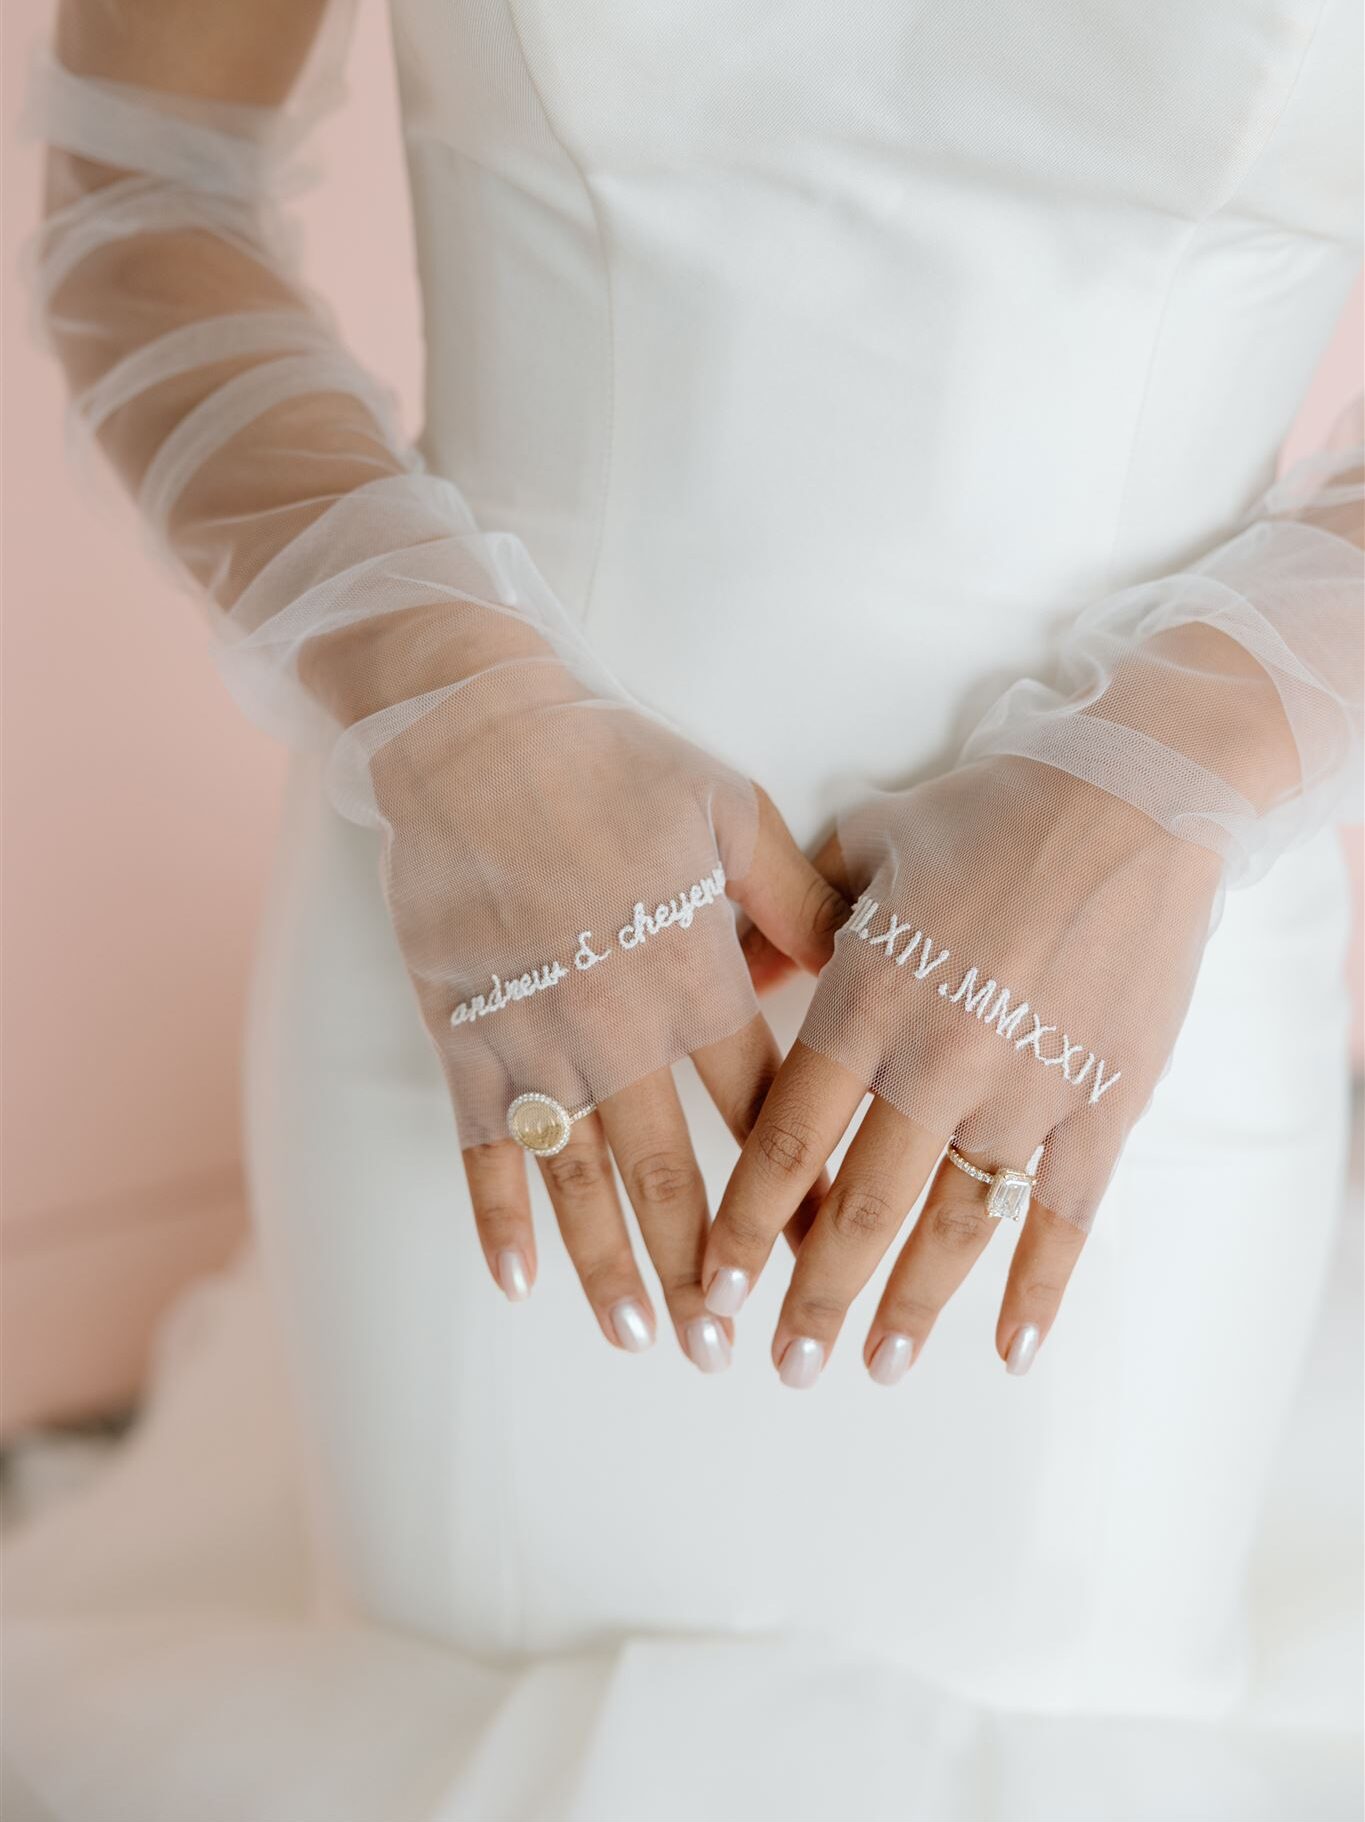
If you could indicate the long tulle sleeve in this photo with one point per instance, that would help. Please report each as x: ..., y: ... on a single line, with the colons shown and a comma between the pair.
x: 534, y: 820
x: 267, y: 463
x: 1224, y: 701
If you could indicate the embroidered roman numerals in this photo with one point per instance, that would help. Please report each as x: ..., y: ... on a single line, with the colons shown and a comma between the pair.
x: 985, y: 1001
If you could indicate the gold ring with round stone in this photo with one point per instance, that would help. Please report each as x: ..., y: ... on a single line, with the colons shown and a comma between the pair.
x: 1008, y: 1191
x: 541, y: 1126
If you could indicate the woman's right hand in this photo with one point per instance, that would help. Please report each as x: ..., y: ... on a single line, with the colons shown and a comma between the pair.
x: 533, y: 835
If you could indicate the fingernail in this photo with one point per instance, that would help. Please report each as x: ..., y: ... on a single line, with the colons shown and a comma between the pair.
x: 801, y: 1362
x: 891, y: 1359
x: 631, y: 1328
x: 708, y: 1346
x: 513, y: 1276
x: 727, y: 1291
x: 1022, y: 1350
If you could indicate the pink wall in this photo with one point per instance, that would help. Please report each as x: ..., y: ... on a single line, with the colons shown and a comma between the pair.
x: 139, y: 816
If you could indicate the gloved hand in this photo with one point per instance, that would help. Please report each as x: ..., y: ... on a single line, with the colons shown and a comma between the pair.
x: 1028, y: 931
x: 559, y: 865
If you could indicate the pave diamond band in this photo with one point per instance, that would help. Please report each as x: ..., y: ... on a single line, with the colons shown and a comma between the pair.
x: 1008, y: 1191
x: 540, y: 1125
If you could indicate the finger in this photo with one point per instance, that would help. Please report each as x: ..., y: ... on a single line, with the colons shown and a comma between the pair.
x: 794, y: 1233
x: 648, y: 1135
x: 878, y: 1183
x: 583, y: 1193
x: 1077, y: 1162
x: 496, y: 1174
x: 737, y: 1074
x: 1040, y: 1270
x: 802, y: 1120
x: 829, y: 861
x: 950, y: 1235
x: 495, y: 1171
x: 768, y: 966
x: 794, y: 906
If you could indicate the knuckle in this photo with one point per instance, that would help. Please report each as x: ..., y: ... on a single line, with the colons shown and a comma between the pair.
x: 498, y: 1218
x: 574, y: 1174
x: 908, y: 1310
x: 1043, y: 1293
x: 785, y: 1143
x: 678, y: 1284
x: 605, y: 1279
x: 956, y: 1225
x: 815, y: 1312
x: 487, y: 1155
x: 859, y: 1212
x: 742, y: 1234
x: 663, y: 1179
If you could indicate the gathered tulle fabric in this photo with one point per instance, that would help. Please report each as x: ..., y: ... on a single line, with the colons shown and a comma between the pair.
x: 556, y: 859
x: 1016, y: 968
x: 1225, y: 702
x: 556, y: 867
x: 1029, y: 927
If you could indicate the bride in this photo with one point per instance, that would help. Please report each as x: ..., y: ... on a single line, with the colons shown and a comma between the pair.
x: 850, y: 433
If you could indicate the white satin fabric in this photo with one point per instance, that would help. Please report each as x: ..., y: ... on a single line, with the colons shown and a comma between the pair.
x: 476, y: 1567
x: 827, y: 360
x: 838, y: 356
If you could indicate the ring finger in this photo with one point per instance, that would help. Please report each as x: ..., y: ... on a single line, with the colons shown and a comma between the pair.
x: 1040, y: 1270
x: 945, y: 1243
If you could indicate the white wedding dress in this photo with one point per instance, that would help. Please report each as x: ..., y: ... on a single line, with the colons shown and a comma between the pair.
x: 828, y: 360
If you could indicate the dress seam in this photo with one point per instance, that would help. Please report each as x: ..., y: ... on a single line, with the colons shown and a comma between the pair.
x: 1196, y: 227
x: 600, y: 232
x: 514, y: 1506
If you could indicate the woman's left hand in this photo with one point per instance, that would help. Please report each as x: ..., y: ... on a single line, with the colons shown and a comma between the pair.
x: 1013, y: 977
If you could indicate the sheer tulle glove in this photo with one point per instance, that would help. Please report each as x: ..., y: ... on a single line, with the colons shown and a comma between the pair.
x: 560, y: 868
x: 559, y: 865
x: 1028, y: 929
x: 1013, y: 977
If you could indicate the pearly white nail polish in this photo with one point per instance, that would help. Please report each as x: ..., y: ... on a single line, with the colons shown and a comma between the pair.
x: 513, y: 1276
x: 802, y: 1360
x: 630, y: 1327
x: 727, y: 1291
x: 1022, y: 1350
x: 708, y: 1346
x: 891, y: 1359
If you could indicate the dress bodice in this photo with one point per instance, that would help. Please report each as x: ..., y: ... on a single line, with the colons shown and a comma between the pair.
x: 828, y: 359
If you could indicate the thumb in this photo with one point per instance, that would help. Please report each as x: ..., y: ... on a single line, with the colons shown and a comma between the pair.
x: 788, y: 900
x: 768, y: 967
